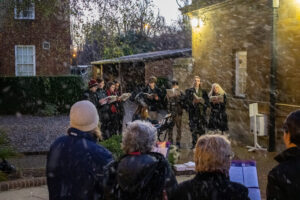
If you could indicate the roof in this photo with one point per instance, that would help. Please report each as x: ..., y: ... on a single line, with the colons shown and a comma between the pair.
x: 143, y: 57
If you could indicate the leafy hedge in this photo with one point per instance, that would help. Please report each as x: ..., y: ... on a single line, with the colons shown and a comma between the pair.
x: 113, y: 144
x: 31, y: 95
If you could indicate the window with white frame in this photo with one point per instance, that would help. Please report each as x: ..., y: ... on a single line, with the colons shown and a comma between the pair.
x: 25, y: 60
x: 24, y: 10
x: 240, y: 73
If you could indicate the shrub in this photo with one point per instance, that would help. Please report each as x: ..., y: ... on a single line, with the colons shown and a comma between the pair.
x: 113, y: 144
x: 6, y: 151
x: 29, y: 95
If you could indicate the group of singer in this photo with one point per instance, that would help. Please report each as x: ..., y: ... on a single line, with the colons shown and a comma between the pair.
x: 151, y: 99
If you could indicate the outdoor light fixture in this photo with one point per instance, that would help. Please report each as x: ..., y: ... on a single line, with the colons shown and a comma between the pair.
x: 196, y: 22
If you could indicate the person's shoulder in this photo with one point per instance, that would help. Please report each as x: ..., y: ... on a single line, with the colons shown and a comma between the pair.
x: 238, y: 189
x: 61, y: 139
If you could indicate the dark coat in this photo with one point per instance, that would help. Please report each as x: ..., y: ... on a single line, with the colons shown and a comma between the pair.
x: 102, y: 109
x: 75, y: 166
x: 284, y: 179
x: 144, y: 176
x: 92, y: 97
x: 210, y: 186
x: 218, y: 116
x: 197, y: 112
x: 154, y: 105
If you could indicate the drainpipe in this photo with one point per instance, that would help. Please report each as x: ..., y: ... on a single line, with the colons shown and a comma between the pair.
x: 273, y: 78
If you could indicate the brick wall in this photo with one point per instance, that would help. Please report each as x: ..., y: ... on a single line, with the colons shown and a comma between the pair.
x: 159, y: 68
x: 227, y: 29
x: 55, y: 29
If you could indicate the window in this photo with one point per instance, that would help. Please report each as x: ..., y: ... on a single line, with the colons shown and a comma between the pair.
x: 240, y: 73
x: 25, y: 60
x: 46, y: 45
x: 24, y: 11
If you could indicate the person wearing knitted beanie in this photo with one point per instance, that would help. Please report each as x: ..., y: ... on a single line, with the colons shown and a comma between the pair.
x: 75, y: 162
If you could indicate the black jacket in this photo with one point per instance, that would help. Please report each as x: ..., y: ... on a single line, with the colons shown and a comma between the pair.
x: 143, y: 176
x: 284, y: 179
x: 210, y: 186
x: 197, y: 112
x: 92, y: 97
x: 154, y: 105
x: 218, y: 116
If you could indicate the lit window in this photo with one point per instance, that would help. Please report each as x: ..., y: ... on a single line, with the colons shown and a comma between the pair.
x: 25, y: 60
x: 24, y: 11
x: 240, y: 73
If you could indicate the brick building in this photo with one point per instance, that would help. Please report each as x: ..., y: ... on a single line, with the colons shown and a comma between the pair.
x: 34, y: 40
x: 135, y: 70
x: 237, y: 43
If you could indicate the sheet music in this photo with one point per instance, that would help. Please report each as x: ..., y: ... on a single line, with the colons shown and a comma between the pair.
x: 250, y: 176
x: 245, y: 173
x: 236, y: 174
x: 254, y: 193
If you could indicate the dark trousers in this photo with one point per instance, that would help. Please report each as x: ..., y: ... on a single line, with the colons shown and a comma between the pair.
x: 197, y: 124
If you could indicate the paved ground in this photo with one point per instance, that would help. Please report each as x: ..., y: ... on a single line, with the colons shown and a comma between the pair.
x: 41, y: 193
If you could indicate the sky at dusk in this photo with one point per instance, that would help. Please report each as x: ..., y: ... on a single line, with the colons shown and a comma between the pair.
x: 168, y: 9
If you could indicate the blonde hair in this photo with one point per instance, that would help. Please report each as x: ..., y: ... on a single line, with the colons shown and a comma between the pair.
x: 96, y: 132
x: 212, y: 153
x: 221, y: 91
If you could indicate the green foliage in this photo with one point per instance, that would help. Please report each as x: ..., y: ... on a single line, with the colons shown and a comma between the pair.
x: 34, y: 95
x: 162, y: 82
x: 3, y: 176
x: 173, y: 155
x: 113, y: 144
x: 49, y: 110
x: 6, y: 151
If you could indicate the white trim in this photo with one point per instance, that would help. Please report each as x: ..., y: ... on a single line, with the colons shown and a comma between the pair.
x: 34, y: 56
x: 21, y: 12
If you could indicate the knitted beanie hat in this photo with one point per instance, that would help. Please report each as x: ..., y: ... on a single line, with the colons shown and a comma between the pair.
x: 92, y: 83
x: 84, y: 116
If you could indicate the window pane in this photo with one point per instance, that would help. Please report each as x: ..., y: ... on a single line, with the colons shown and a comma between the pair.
x: 19, y: 59
x: 30, y: 51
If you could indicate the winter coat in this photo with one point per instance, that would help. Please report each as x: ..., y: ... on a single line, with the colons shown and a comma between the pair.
x: 210, y: 186
x: 154, y: 105
x: 75, y: 165
x: 197, y: 112
x: 284, y: 179
x: 142, y: 176
x: 102, y: 109
x: 92, y: 97
x: 174, y: 105
x: 218, y: 116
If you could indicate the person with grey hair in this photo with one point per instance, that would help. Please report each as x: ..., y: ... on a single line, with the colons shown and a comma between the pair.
x: 140, y: 173
x: 212, y: 159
